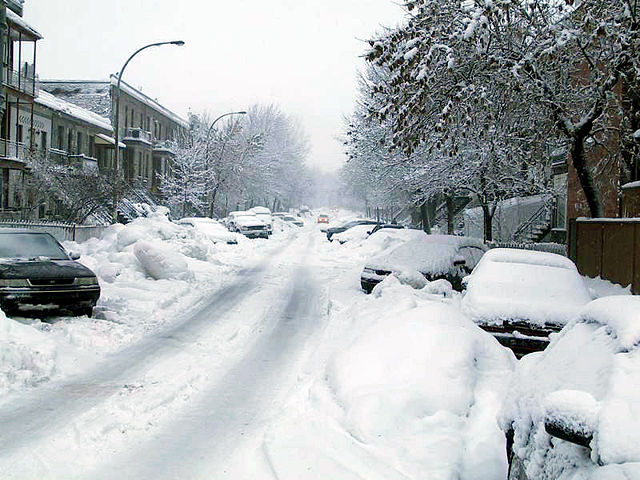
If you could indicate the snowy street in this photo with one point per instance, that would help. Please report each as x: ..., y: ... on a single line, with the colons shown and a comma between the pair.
x: 176, y: 394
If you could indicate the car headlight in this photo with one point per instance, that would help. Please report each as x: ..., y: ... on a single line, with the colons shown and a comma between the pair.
x: 14, y: 282
x: 86, y: 281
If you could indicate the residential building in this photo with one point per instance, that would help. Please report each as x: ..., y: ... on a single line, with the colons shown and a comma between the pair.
x: 145, y: 126
x: 18, y: 90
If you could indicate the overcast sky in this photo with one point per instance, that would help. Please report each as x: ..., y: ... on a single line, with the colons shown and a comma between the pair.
x: 299, y: 54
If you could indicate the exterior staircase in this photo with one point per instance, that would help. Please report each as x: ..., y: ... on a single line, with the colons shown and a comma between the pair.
x: 534, y: 229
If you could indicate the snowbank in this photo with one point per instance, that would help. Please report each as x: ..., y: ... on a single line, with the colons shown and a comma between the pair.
x: 402, y: 386
x: 27, y: 355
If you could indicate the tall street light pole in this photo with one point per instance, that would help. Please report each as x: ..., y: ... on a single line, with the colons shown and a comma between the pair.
x: 116, y: 122
x: 213, y: 194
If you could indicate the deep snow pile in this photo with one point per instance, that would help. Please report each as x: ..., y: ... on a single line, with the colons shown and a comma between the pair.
x: 402, y: 386
x: 151, y: 273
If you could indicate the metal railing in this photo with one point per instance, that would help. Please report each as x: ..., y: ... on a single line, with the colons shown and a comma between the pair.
x: 548, y: 247
x: 61, y: 231
x: 138, y: 134
x: 13, y: 149
x: 542, y: 216
x: 21, y: 82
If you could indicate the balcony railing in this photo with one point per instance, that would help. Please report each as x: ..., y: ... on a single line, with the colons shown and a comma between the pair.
x: 21, y: 81
x: 138, y: 134
x: 13, y: 150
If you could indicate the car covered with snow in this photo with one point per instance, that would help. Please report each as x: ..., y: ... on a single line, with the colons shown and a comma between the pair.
x: 523, y: 296
x: 573, y: 411
x: 293, y: 220
x: 347, y: 225
x: 433, y: 257
x: 212, y: 229
x: 361, y: 232
x: 264, y: 214
x: 248, y: 224
x: 37, y: 273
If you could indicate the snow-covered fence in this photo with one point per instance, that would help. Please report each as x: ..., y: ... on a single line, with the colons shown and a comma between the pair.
x: 61, y: 231
x: 558, y: 248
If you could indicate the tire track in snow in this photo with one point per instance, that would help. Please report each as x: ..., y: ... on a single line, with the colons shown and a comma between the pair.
x: 47, y: 411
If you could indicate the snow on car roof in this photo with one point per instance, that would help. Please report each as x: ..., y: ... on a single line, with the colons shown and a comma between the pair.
x: 530, y: 257
x: 620, y: 315
x: 260, y: 210
x: 542, y: 288
x: 432, y: 254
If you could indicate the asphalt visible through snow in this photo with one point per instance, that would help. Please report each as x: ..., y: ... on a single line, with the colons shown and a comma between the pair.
x: 177, y: 404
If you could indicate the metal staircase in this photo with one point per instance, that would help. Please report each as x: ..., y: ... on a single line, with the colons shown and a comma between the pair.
x: 534, y: 229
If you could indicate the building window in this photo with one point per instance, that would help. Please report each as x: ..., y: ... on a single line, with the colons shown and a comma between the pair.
x: 20, y: 134
x: 79, y: 145
x: 43, y: 141
x: 69, y: 141
x: 126, y: 117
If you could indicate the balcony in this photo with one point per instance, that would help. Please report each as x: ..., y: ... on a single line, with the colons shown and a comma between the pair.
x: 138, y: 134
x: 12, y: 152
x: 21, y: 81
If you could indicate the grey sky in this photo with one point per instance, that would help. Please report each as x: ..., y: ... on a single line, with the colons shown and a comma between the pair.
x: 299, y: 54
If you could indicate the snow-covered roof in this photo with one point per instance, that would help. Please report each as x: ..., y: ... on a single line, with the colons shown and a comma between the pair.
x: 110, y: 140
x: 95, y: 95
x: 631, y: 185
x: 17, y: 20
x: 79, y: 113
x: 150, y: 102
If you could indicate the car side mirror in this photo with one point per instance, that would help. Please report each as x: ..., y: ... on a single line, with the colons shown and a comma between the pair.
x: 571, y: 415
x: 74, y: 255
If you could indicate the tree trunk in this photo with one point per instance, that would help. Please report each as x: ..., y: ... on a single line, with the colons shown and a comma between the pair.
x: 424, y: 218
x: 488, y: 213
x: 214, y: 194
x: 579, y: 161
x: 450, y: 214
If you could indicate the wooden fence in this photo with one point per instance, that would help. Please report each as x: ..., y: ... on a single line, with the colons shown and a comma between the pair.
x: 607, y: 247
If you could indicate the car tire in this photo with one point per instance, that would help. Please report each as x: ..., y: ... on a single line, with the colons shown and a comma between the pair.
x: 88, y: 311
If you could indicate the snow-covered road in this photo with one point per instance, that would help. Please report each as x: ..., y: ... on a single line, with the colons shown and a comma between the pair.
x: 177, y: 404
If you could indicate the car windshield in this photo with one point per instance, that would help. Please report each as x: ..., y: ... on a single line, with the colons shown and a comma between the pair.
x: 30, y: 245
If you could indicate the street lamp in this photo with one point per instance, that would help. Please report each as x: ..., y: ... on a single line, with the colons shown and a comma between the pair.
x: 116, y: 127
x: 222, y: 116
x: 222, y: 151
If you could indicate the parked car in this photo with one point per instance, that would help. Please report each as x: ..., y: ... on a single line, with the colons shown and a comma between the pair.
x: 279, y: 215
x: 248, y: 224
x: 212, y: 229
x: 354, y: 235
x: 522, y: 296
x: 334, y: 230
x: 37, y: 273
x: 435, y: 256
x: 264, y: 214
x: 295, y: 221
x: 323, y: 218
x: 573, y: 411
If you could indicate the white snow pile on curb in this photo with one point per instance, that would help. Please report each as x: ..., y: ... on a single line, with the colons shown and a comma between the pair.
x: 402, y: 386
x: 27, y: 356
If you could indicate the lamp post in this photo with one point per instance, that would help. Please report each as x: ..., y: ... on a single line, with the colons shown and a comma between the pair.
x: 116, y: 122
x: 213, y: 194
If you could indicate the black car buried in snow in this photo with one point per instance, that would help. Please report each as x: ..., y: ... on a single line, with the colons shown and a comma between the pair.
x: 37, y: 273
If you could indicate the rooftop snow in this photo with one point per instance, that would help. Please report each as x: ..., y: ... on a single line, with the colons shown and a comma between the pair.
x: 60, y: 105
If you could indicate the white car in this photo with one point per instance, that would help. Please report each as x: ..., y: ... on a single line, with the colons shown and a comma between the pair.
x: 432, y: 257
x: 248, y: 224
x: 522, y: 296
x: 264, y: 214
x: 573, y: 411
x: 212, y: 229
